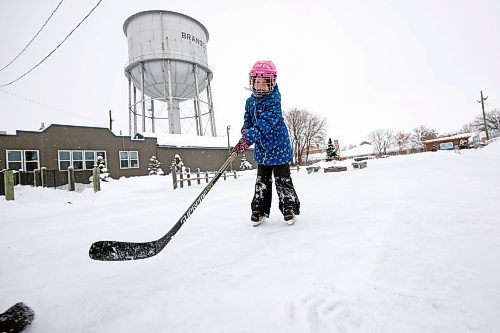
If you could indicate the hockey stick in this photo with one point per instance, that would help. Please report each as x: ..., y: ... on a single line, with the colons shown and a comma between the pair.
x: 120, y: 251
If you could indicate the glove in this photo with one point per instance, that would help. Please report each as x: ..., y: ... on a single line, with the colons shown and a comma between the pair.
x: 242, y: 145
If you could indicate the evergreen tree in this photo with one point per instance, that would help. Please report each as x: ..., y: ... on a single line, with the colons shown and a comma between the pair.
x: 179, y: 165
x: 154, y: 166
x: 104, y: 172
x: 331, y: 150
x: 245, y: 165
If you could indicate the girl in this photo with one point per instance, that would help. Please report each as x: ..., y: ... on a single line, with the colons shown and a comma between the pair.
x: 265, y: 127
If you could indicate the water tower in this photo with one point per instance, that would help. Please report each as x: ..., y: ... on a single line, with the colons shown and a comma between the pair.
x: 168, y: 64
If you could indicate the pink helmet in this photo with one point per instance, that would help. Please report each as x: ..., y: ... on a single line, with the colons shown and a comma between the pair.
x: 265, y: 69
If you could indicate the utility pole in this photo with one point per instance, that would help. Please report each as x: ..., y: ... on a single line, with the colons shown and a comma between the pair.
x: 110, y: 122
x: 484, y: 115
x: 229, y: 144
x: 152, y: 115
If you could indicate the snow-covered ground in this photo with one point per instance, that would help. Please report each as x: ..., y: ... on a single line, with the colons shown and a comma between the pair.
x: 409, y: 244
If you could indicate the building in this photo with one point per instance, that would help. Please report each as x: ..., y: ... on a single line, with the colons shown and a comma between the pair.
x: 59, y: 146
x: 365, y: 149
x: 449, y: 142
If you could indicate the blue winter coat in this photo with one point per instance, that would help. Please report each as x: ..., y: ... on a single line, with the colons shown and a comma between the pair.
x: 265, y: 127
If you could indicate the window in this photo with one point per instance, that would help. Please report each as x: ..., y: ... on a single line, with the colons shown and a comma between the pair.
x: 79, y: 159
x: 89, y: 159
x: 26, y: 160
x: 64, y: 159
x: 31, y: 160
x: 15, y: 159
x: 124, y: 160
x: 134, y: 159
x: 129, y: 159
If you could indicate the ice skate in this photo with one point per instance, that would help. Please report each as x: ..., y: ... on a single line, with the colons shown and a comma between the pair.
x: 289, y: 216
x: 257, y: 218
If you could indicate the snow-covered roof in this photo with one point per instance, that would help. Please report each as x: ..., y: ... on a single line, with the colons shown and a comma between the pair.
x: 365, y: 149
x: 451, y: 137
x: 317, y: 156
x: 184, y: 140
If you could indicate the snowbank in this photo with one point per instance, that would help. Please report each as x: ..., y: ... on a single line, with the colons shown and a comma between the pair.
x: 407, y: 245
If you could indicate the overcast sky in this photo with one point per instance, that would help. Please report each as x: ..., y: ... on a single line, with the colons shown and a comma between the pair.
x: 363, y: 65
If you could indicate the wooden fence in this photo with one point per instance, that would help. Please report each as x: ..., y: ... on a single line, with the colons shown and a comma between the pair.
x: 46, y: 178
x: 179, y: 178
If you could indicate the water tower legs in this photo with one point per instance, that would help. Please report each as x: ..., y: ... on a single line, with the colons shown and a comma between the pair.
x: 211, y: 109
x: 174, y: 119
x: 178, y: 107
x: 152, y: 115
x: 135, y: 110
x: 143, y: 99
x: 129, y: 106
x: 197, y: 102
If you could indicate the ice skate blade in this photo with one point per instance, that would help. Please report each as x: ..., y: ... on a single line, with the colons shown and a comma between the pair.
x: 259, y: 222
x: 291, y: 221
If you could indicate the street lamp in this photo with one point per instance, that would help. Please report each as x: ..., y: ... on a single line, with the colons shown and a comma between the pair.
x: 229, y: 144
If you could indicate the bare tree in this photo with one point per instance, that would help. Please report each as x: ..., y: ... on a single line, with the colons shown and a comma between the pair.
x: 492, y: 120
x: 315, y: 133
x: 295, y: 121
x: 468, y: 128
x: 381, y: 139
x: 422, y: 133
x: 305, y: 130
x: 403, y: 140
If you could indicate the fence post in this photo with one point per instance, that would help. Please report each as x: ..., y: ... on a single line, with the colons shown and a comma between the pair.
x: 198, y: 175
x: 44, y: 176
x: 36, y: 173
x: 234, y: 174
x: 206, y: 176
x: 174, y: 175
x: 224, y: 175
x: 188, y: 175
x: 181, y: 176
x: 71, y: 178
x: 9, y: 184
x: 96, y: 178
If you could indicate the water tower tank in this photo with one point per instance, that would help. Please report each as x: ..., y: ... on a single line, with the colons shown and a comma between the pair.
x: 168, y: 62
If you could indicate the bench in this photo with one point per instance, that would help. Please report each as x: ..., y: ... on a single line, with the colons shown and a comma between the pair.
x: 360, y: 165
x: 312, y: 169
x: 335, y: 169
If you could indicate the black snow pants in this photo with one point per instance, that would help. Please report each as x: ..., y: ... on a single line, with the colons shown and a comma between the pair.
x: 284, y: 187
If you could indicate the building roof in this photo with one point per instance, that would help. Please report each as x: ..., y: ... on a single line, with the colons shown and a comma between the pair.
x: 187, y: 141
x: 47, y: 128
x: 452, y: 137
x: 361, y: 150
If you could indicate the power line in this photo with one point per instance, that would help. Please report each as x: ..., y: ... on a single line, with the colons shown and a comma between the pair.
x: 48, y: 106
x: 32, y: 39
x: 54, y: 50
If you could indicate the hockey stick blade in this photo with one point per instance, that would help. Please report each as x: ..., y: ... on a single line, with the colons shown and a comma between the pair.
x: 121, y: 251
